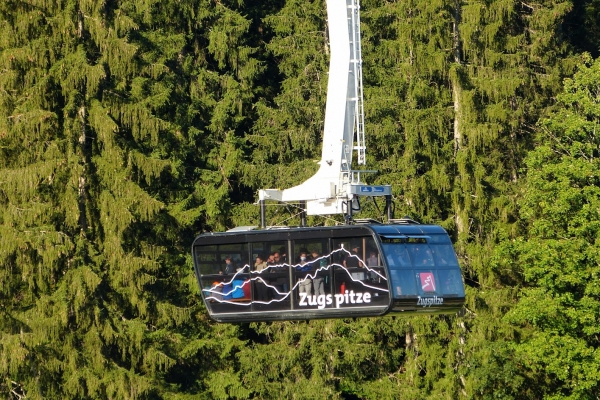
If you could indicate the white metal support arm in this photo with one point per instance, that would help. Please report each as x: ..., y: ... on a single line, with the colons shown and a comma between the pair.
x: 335, y: 183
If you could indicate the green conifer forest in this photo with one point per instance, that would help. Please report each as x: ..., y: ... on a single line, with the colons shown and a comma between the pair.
x: 128, y: 127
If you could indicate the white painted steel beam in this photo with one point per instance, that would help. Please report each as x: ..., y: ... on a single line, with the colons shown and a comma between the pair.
x: 329, y: 189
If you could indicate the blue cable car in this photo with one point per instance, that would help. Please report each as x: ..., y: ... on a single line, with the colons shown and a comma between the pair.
x: 328, y: 272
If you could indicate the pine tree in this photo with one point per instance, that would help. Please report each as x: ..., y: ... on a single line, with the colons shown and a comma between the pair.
x: 557, y: 254
x: 407, y: 103
x: 104, y: 109
x: 127, y: 127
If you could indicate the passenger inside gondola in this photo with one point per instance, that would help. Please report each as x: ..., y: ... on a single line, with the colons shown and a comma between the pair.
x: 421, y: 255
x: 316, y: 264
x: 396, y: 255
x: 302, y: 273
x: 229, y: 266
x: 317, y: 261
x: 278, y: 262
x: 444, y: 255
x: 259, y: 264
x: 276, y: 277
x: 352, y: 260
x: 216, y: 290
x: 281, y: 256
x: 261, y: 292
x: 373, y: 260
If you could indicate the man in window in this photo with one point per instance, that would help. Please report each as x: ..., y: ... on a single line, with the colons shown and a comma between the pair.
x: 229, y: 266
x: 303, y: 271
x: 352, y: 260
x: 316, y: 265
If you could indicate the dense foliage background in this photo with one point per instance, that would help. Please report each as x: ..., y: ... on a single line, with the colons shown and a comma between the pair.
x: 129, y: 126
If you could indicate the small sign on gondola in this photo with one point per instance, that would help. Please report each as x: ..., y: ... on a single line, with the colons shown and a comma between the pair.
x: 372, y: 190
x: 427, y: 281
x: 369, y: 189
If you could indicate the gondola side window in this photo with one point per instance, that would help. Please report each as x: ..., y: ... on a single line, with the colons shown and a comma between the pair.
x: 311, y: 272
x: 406, y: 252
x: 395, y: 252
x: 443, y: 255
x: 354, y: 273
x: 270, y: 275
x: 207, y: 260
x: 451, y: 282
x: 223, y: 275
x: 356, y: 252
x: 419, y: 252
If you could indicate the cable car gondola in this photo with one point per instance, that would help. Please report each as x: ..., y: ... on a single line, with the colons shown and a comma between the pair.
x: 330, y: 272
x: 327, y: 272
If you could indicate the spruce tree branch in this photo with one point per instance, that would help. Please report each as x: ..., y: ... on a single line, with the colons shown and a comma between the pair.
x: 225, y: 175
x: 114, y: 93
x: 16, y: 387
x: 470, y: 311
x: 528, y: 6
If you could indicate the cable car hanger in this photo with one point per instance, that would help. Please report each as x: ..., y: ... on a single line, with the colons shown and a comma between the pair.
x: 336, y: 187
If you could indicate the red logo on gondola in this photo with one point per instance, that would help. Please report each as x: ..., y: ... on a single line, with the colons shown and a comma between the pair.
x: 427, y: 281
